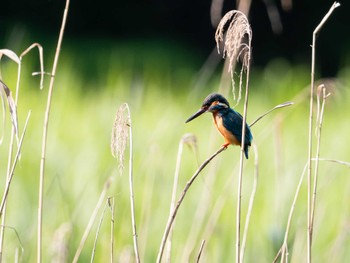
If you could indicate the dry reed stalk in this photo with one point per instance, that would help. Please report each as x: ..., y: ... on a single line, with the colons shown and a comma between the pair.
x: 237, y: 45
x: 251, y: 201
x: 200, y: 251
x: 199, y: 215
x: 282, y: 105
x: 190, y: 140
x: 13, y: 113
x: 92, y: 219
x: 14, y: 133
x: 10, y: 173
x: 12, y: 169
x: 45, y: 132
x: 176, y: 208
x: 98, y: 231
x: 283, y: 252
x: 122, y: 129
x: 309, y: 179
x: 321, y: 92
x: 111, y: 206
x: 9, y: 176
x: 17, y: 257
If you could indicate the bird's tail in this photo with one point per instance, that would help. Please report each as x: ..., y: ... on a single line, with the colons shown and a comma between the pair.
x: 246, y: 148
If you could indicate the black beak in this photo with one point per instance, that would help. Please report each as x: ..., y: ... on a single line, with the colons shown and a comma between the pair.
x: 198, y: 113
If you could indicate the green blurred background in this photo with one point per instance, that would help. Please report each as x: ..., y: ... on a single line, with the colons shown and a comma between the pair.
x: 155, y: 56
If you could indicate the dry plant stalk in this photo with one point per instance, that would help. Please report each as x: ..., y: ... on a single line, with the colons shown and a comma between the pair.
x: 92, y: 219
x: 251, y: 202
x: 283, y: 252
x: 312, y: 88
x: 5, y: 91
x: 200, y: 251
x: 122, y: 129
x: 98, y: 230
x: 172, y: 216
x: 282, y: 105
x: 12, y: 170
x: 237, y: 45
x: 111, y: 206
x: 45, y: 132
x: 191, y: 141
x: 321, y: 92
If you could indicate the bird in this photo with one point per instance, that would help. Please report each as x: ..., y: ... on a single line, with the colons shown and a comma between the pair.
x: 227, y: 121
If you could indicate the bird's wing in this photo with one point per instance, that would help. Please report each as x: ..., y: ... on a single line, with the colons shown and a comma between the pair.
x: 233, y: 122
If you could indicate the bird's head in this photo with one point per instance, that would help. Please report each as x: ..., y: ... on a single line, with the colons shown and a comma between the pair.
x: 213, y: 102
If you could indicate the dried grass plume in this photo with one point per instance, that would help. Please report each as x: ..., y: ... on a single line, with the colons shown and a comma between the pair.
x: 235, y: 33
x: 120, y: 133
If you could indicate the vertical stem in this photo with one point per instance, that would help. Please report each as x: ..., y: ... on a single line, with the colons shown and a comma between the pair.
x: 9, y: 161
x: 173, y: 197
x: 309, y: 179
x: 318, y: 148
x: 45, y: 131
x: 251, y: 202
x: 309, y: 169
x: 92, y: 219
x: 132, y: 206
x: 111, y: 206
x: 171, y: 218
x: 240, y: 176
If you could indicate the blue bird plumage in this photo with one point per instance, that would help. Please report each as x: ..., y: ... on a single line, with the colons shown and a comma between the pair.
x: 227, y: 121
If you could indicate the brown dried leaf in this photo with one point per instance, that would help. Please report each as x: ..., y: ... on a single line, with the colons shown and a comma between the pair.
x: 41, y: 58
x: 6, y: 93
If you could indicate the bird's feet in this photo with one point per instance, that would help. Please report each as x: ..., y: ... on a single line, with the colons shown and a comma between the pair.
x: 225, y: 145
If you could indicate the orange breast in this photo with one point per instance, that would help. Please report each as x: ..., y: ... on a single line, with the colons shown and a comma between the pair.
x: 229, y: 137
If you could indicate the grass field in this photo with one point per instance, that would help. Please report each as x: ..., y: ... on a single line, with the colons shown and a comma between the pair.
x: 157, y: 81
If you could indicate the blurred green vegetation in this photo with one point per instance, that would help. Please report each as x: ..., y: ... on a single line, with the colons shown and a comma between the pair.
x: 157, y: 80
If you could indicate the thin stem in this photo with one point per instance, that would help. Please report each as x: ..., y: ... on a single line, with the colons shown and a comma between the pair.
x: 284, y: 247
x: 251, y: 201
x: 111, y: 206
x: 132, y: 206
x: 173, y: 215
x: 45, y: 132
x: 313, y: 51
x: 173, y: 197
x: 9, y: 161
x: 240, y: 175
x: 282, y: 105
x: 12, y: 169
x: 98, y: 232
x: 92, y: 220
x: 319, y: 129
x: 200, y: 251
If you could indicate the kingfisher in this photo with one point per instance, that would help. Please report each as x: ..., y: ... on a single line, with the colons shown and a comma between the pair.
x: 227, y: 121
